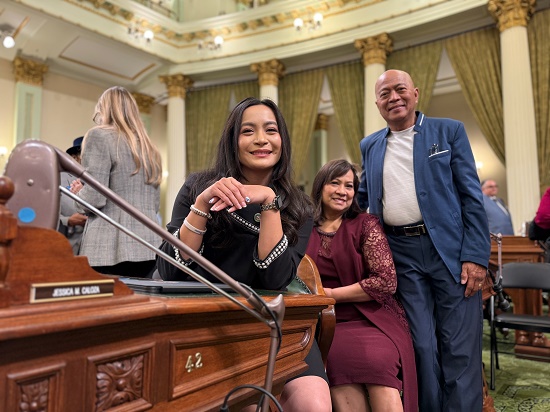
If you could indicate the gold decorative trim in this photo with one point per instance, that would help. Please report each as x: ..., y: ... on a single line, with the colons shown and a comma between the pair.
x: 269, y: 72
x: 281, y: 20
x: 375, y: 49
x: 176, y: 84
x: 144, y: 102
x: 322, y: 122
x: 29, y: 71
x: 511, y: 13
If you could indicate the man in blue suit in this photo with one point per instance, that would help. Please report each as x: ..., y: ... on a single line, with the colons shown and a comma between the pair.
x: 419, y: 177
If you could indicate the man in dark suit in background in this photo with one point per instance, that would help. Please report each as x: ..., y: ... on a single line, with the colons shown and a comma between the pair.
x: 498, y: 214
x: 419, y: 177
x: 71, y: 223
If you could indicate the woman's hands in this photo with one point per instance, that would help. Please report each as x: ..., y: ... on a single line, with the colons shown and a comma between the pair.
x: 228, y: 193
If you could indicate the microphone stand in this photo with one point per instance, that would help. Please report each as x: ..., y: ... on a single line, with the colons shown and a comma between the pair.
x: 503, y: 303
x: 271, y: 313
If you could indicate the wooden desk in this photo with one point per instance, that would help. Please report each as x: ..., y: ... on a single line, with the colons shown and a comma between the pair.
x: 522, y: 249
x: 120, y: 351
x: 139, y: 353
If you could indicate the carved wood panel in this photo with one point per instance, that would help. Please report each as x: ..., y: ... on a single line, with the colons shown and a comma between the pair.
x: 36, y: 390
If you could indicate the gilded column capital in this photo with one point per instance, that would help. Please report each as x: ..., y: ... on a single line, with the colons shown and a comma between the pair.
x: 511, y: 13
x: 29, y: 71
x: 144, y: 102
x: 321, y: 122
x: 269, y: 72
x: 375, y: 49
x: 176, y: 84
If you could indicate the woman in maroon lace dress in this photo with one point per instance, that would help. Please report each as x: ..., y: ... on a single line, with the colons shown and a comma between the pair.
x: 371, y: 360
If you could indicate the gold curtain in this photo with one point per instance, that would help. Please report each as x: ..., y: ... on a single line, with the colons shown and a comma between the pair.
x: 205, y: 113
x: 422, y: 63
x: 347, y: 83
x: 475, y: 57
x: 539, y: 49
x: 246, y: 89
x: 299, y: 95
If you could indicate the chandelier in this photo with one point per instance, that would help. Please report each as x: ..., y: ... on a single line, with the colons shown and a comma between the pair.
x: 310, y: 24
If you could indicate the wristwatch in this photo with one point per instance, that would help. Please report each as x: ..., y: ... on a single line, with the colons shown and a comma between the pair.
x: 276, y: 204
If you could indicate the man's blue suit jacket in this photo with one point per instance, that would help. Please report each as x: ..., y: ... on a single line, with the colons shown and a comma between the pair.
x: 447, y: 189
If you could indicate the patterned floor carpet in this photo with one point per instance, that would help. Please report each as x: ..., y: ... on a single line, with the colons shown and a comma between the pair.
x: 521, y: 385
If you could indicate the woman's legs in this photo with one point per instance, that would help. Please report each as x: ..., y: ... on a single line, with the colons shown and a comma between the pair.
x: 384, y: 399
x: 352, y: 397
x: 306, y: 394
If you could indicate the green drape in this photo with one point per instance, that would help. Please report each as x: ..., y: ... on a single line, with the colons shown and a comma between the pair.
x: 205, y: 113
x: 299, y: 95
x: 347, y: 83
x: 422, y: 63
x: 539, y: 49
x: 475, y: 57
x: 246, y: 89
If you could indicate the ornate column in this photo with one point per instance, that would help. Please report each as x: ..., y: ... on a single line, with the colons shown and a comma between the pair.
x: 520, y: 140
x: 320, y: 140
x: 29, y: 75
x: 145, y: 103
x: 177, y: 85
x: 318, y: 153
x: 374, y: 51
x: 269, y: 73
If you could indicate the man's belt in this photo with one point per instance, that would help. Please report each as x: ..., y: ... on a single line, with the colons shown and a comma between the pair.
x: 410, y: 230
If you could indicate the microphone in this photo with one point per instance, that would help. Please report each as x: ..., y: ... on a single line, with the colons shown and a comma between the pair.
x: 503, y: 303
x: 34, y: 168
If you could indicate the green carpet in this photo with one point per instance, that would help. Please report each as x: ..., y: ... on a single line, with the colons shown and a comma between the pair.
x: 521, y: 385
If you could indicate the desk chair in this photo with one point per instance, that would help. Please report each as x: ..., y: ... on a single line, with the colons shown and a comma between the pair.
x: 520, y: 275
x: 309, y: 274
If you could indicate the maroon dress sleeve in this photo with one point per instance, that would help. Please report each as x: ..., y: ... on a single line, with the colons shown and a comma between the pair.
x: 380, y: 278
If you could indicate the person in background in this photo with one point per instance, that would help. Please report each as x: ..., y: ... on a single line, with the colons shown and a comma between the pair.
x: 372, y: 347
x: 120, y: 155
x: 419, y: 177
x: 246, y: 216
x: 71, y: 222
x: 539, y: 228
x: 498, y: 214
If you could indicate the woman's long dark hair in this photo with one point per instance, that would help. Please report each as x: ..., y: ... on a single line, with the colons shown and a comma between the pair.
x: 330, y: 171
x: 296, y: 205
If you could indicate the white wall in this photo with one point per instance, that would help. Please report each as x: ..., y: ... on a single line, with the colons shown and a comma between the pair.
x: 454, y: 105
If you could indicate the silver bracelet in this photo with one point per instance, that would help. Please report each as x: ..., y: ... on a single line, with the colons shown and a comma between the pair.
x: 200, y: 212
x: 193, y: 228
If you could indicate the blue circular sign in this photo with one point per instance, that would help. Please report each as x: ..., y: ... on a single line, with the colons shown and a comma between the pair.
x: 26, y: 215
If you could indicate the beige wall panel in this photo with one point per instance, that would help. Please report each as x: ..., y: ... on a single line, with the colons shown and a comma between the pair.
x: 454, y: 105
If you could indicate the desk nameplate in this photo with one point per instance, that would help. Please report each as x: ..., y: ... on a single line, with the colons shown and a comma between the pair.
x: 57, y: 291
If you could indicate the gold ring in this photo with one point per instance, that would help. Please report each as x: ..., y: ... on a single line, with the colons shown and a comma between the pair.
x: 480, y: 285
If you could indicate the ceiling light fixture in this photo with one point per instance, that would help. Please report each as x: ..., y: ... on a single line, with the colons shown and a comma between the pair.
x: 310, y: 24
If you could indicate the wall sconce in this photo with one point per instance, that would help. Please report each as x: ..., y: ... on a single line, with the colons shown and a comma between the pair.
x: 312, y: 23
x: 6, y: 34
x: 211, y: 44
x: 137, y: 33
